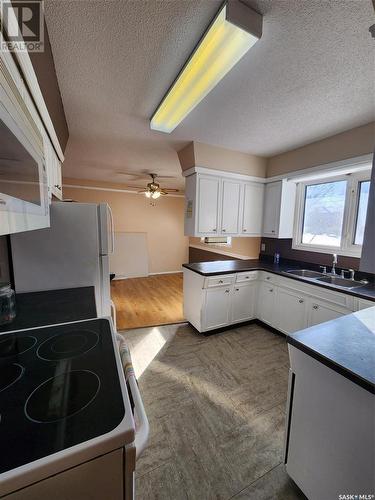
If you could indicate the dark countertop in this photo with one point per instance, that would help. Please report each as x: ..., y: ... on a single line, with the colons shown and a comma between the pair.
x: 346, y: 345
x: 235, y: 266
x: 52, y: 307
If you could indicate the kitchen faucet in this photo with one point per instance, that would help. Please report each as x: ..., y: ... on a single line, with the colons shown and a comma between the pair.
x: 334, y: 262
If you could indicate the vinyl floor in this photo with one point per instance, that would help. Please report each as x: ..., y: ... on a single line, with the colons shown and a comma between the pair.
x: 216, y: 407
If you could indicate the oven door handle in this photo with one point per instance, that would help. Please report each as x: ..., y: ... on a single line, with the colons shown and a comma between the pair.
x: 141, y: 421
x: 142, y: 427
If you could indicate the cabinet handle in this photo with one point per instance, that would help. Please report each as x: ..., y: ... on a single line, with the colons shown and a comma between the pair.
x: 223, y: 230
x: 237, y: 289
x: 244, y: 230
x: 214, y: 230
x: 301, y: 301
x: 57, y: 186
x: 271, y: 289
x: 272, y: 231
x: 247, y: 277
x: 220, y: 281
x: 227, y: 291
x: 268, y: 277
x: 315, y: 307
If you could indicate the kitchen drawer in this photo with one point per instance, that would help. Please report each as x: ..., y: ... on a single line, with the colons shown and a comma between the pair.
x: 222, y: 280
x: 247, y: 276
x: 269, y: 277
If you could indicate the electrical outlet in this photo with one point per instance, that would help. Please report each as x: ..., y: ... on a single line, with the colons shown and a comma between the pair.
x: 263, y: 247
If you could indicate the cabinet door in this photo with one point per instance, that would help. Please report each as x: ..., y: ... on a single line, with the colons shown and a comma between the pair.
x: 272, y: 200
x: 252, y: 214
x: 321, y: 312
x: 290, y: 311
x: 243, y: 302
x: 230, y: 208
x: 216, y: 310
x: 266, y: 303
x: 208, y: 204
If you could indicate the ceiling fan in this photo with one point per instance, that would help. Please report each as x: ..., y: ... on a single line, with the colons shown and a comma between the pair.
x: 153, y: 189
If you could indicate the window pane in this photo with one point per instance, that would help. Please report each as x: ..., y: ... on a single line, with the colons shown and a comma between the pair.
x: 364, y: 189
x: 324, y: 212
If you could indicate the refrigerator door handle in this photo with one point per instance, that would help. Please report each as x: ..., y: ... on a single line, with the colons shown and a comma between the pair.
x: 112, y: 231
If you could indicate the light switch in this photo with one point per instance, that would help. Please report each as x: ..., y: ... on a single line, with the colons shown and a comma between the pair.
x: 263, y: 247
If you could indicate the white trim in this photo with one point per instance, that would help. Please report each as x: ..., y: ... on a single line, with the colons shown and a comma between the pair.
x: 340, y: 167
x: 217, y: 250
x: 355, y: 164
x: 166, y: 272
x: 223, y: 173
x: 115, y: 190
x: 347, y: 247
x: 122, y: 277
x: 29, y: 75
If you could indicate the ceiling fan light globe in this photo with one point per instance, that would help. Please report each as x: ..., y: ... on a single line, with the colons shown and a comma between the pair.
x: 156, y: 194
x: 148, y: 194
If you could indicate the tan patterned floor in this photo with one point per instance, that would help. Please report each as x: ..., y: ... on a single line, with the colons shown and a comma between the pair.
x: 216, y: 407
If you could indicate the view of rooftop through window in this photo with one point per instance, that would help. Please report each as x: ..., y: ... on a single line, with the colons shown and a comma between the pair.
x: 324, y: 213
x: 364, y: 190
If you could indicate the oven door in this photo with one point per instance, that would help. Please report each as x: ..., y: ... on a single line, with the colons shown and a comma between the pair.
x: 24, y: 203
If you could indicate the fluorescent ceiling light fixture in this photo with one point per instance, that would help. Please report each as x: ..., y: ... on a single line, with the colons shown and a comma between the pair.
x: 235, y: 29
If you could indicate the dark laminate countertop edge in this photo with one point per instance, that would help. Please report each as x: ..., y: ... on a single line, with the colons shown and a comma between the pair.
x: 353, y: 377
x: 270, y: 269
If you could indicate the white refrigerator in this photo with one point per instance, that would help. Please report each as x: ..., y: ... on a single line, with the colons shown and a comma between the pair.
x: 73, y: 252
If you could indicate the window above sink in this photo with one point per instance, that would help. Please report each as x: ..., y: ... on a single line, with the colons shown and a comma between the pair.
x: 331, y: 214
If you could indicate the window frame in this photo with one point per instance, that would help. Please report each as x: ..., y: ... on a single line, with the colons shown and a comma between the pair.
x: 347, y: 247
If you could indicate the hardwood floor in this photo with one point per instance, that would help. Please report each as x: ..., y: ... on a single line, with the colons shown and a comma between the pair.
x: 216, y: 407
x: 155, y: 300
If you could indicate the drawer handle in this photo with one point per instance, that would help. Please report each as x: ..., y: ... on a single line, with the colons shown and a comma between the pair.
x: 223, y: 230
x: 271, y: 290
x: 268, y: 277
x: 227, y: 291
x: 315, y: 307
x: 221, y: 281
x: 237, y: 289
x: 244, y: 230
x: 247, y: 277
x: 214, y: 230
x: 301, y: 301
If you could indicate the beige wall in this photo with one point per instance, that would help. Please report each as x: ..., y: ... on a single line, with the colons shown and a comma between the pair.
x: 204, y: 155
x: 355, y: 142
x: 164, y: 223
x: 246, y: 247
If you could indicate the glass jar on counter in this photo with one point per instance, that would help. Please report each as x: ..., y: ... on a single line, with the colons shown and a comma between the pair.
x: 7, y: 304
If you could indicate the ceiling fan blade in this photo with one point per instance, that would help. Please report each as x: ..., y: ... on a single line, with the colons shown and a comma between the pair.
x: 142, y: 191
x: 171, y: 190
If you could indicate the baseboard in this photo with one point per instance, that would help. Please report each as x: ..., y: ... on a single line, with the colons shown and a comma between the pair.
x: 165, y: 272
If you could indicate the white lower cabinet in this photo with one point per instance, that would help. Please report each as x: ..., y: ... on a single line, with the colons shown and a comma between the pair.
x: 290, y: 313
x: 216, y: 309
x: 319, y: 312
x: 243, y: 302
x: 266, y: 303
x: 285, y: 304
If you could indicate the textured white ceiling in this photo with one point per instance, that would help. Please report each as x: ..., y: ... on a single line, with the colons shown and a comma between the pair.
x: 310, y: 76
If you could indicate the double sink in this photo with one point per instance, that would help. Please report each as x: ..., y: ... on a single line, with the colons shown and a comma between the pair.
x: 323, y: 278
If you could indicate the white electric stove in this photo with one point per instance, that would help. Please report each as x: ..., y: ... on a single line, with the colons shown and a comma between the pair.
x: 71, y: 426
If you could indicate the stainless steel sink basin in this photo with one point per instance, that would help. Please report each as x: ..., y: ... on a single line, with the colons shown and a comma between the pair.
x: 336, y: 280
x: 304, y: 273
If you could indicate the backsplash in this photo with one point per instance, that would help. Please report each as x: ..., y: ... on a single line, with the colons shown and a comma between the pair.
x: 284, y: 247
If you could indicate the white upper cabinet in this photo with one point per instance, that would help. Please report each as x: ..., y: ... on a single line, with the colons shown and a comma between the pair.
x: 230, y: 207
x: 208, y: 205
x: 279, y: 203
x: 222, y: 206
x: 252, y: 209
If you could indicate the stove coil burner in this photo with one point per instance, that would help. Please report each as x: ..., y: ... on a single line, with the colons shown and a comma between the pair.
x: 68, y: 345
x: 12, y: 345
x: 62, y: 396
x: 10, y: 374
